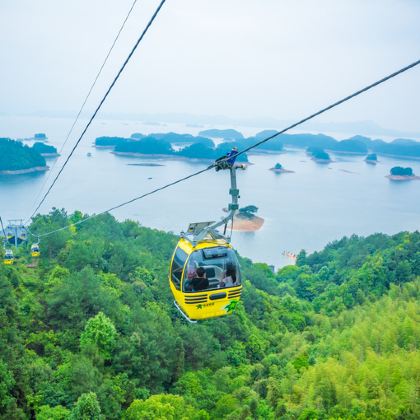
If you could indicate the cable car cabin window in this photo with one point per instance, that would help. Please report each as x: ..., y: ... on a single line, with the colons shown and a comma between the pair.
x: 210, y: 269
x: 177, y: 266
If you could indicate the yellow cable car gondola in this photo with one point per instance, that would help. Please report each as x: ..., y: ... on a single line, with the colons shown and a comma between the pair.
x: 35, y: 250
x: 8, y: 258
x: 205, y: 277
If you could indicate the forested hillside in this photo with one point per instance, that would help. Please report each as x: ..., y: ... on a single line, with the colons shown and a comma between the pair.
x: 92, y: 332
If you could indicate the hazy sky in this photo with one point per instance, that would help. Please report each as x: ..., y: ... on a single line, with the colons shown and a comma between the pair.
x: 239, y: 58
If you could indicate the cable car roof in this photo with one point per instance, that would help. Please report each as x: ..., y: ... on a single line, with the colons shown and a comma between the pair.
x: 189, y: 247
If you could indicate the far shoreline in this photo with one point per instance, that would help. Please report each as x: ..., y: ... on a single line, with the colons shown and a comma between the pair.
x: 402, y: 178
x: 50, y: 155
x: 321, y: 161
x: 24, y: 171
x: 281, y: 171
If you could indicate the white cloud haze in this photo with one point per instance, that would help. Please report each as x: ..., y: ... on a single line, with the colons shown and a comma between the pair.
x: 239, y: 58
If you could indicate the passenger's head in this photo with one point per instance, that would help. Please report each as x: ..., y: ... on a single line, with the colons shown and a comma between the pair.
x: 200, y: 271
x: 231, y: 271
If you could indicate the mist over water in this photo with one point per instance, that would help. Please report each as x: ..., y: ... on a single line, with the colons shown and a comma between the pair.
x: 302, y: 210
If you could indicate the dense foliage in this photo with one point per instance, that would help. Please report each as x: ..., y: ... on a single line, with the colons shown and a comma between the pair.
x: 16, y: 156
x: 91, y: 332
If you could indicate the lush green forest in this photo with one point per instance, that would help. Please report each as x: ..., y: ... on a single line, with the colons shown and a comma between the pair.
x: 15, y: 156
x: 92, y: 333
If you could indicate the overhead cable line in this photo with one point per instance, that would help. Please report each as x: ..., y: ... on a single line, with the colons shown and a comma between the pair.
x: 300, y: 122
x: 164, y: 187
x: 84, y: 103
x: 139, y: 40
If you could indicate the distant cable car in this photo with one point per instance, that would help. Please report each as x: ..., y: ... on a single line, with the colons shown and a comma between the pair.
x: 16, y: 233
x: 8, y: 258
x: 205, y: 277
x: 35, y: 250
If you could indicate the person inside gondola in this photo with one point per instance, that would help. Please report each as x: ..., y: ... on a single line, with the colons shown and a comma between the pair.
x: 188, y: 282
x: 200, y: 281
x: 229, y: 279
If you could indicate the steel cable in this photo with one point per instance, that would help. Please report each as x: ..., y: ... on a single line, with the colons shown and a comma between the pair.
x: 139, y: 40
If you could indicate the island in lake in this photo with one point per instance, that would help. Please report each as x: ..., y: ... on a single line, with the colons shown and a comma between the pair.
x: 371, y: 158
x: 168, y: 145
x: 406, y: 148
x: 279, y: 169
x: 202, y: 147
x: 36, y: 137
x: 398, y: 173
x: 356, y: 145
x: 17, y: 158
x: 318, y: 155
x: 45, y: 150
x: 40, y: 136
x: 246, y: 220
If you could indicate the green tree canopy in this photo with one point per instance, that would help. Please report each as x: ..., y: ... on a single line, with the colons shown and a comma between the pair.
x: 86, y: 408
x: 100, y: 332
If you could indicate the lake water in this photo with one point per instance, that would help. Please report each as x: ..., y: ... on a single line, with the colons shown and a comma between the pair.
x: 302, y: 210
